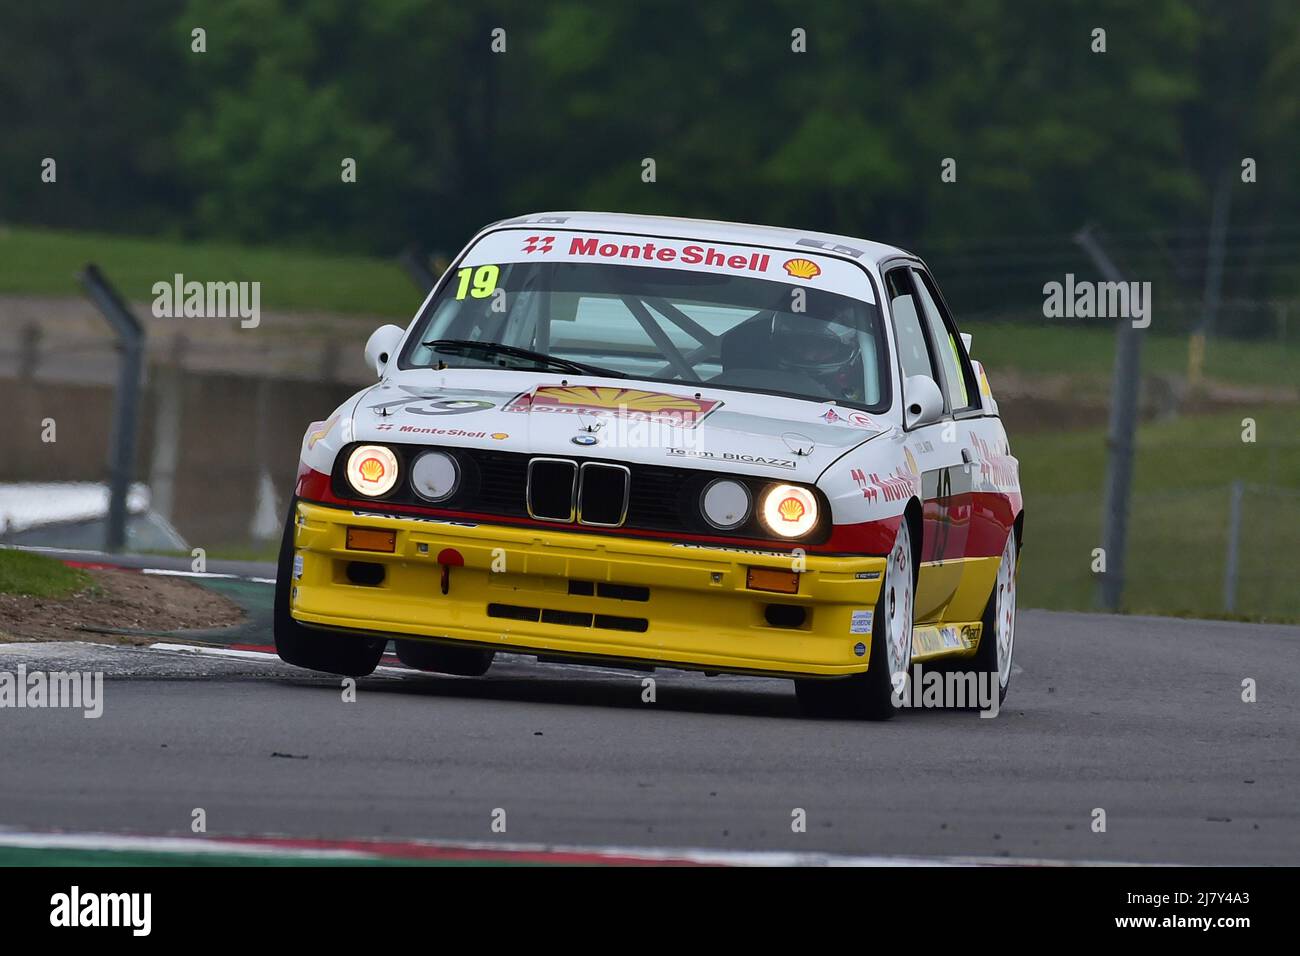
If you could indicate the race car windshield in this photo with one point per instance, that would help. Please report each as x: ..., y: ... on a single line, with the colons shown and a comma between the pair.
x: 658, y: 324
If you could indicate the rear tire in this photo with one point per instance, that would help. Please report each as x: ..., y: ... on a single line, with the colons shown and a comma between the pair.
x: 870, y: 695
x: 443, y: 659
x: 998, y: 635
x: 342, y: 654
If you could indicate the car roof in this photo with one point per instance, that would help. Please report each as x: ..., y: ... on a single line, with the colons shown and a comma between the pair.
x: 849, y: 247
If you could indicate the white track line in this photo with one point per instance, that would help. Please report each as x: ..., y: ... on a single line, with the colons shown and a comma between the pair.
x: 167, y: 572
x: 232, y: 652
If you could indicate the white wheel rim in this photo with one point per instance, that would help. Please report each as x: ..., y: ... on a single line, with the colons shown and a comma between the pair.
x: 1004, y: 610
x: 898, y: 607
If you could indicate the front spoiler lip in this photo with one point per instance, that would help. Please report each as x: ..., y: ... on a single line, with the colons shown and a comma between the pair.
x: 612, y: 661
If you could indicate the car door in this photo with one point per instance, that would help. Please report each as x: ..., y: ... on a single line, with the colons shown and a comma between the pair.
x: 979, y: 518
x: 932, y: 449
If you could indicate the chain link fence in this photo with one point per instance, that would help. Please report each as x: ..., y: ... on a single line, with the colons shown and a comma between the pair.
x: 1224, y: 550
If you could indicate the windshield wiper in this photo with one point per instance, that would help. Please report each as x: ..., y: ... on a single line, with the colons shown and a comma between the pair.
x: 488, y: 349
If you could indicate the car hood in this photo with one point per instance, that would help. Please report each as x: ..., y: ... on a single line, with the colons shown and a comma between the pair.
x: 621, y: 419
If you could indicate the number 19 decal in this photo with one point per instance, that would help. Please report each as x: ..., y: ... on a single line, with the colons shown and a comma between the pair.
x: 480, y: 282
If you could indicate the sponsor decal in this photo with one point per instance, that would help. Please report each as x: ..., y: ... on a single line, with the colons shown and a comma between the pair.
x: 425, y: 518
x: 634, y: 403
x: 318, y: 430
x: 427, y: 405
x: 861, y: 622
x: 802, y: 268
x: 538, y: 244
x: 894, y: 487
x: 831, y: 247
x: 911, y: 462
x: 658, y: 252
x: 297, y: 566
x: 372, y: 469
x: 733, y: 456
x: 791, y: 508
x: 429, y: 430
x: 720, y: 547
x: 932, y: 639
x: 833, y: 416
x: 997, y: 468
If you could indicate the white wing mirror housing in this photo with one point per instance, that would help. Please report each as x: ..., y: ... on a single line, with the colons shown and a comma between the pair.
x: 923, y: 402
x: 382, y: 346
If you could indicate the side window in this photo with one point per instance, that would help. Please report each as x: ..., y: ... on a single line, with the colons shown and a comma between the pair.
x: 963, y: 391
x: 914, y: 354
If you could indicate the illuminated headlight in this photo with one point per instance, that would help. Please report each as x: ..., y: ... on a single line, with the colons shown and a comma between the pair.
x: 435, y: 476
x: 725, y: 504
x: 789, y: 510
x: 372, y: 470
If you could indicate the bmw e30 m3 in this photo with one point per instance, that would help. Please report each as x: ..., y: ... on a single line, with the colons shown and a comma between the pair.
x: 634, y: 440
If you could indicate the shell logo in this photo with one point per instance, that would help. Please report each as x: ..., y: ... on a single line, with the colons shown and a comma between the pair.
x: 634, y: 399
x: 372, y: 469
x: 802, y: 268
x: 682, y: 410
x: 791, y: 509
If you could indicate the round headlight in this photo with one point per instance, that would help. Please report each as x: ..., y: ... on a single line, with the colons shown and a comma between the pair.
x: 789, y: 510
x: 435, y: 476
x: 372, y: 470
x: 725, y: 504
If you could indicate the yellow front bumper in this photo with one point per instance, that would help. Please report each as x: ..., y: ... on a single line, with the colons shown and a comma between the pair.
x: 636, y: 600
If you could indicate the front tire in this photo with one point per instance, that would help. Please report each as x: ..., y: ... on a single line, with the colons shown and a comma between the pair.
x: 301, y: 646
x: 870, y: 695
x: 443, y: 659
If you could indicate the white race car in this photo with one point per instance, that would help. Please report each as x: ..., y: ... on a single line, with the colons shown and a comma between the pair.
x: 649, y: 441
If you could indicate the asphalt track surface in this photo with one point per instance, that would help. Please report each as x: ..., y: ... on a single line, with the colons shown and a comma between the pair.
x: 1140, y: 717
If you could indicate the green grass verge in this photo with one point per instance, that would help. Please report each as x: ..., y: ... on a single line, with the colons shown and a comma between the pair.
x: 34, y: 575
x: 1178, y: 518
x: 1057, y: 348
x: 46, y: 262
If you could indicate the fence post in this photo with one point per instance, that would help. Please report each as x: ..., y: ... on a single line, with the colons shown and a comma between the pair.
x: 1119, y: 434
x: 1235, y: 495
x: 126, y: 400
x: 29, y: 351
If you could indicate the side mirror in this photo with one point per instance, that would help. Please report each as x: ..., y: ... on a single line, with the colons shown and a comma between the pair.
x: 924, y: 401
x: 382, y: 345
x: 966, y: 340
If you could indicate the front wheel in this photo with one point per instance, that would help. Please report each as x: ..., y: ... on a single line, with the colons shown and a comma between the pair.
x: 316, y: 650
x: 871, y: 694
